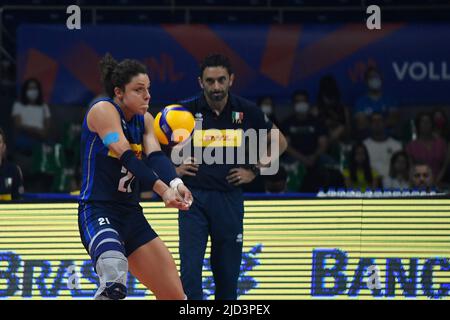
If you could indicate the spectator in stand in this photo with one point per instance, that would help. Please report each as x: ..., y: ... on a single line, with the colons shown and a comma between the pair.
x: 421, y: 177
x: 331, y: 111
x: 11, y: 180
x: 442, y: 130
x: 441, y: 125
x: 373, y: 101
x: 33, y: 151
x: 31, y: 117
x: 267, y: 106
x: 380, y: 146
x: 308, y: 140
x: 427, y: 148
x: 359, y: 174
x: 335, y: 116
x: 399, y: 172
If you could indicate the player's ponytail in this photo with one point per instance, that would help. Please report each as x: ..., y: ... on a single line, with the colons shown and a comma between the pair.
x: 107, y: 66
x: 118, y: 74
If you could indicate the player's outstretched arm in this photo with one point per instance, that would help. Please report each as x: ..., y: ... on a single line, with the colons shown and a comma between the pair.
x: 160, y: 163
x: 104, y: 120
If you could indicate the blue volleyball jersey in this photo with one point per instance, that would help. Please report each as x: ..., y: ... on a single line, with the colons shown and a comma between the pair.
x: 104, y: 178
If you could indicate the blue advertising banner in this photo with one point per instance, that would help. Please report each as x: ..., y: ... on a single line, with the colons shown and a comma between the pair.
x: 267, y: 59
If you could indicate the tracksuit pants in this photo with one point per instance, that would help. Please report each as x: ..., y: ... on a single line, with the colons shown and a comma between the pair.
x: 220, y: 215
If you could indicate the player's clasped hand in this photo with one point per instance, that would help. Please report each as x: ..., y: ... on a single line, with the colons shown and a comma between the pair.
x: 188, y: 168
x: 173, y: 199
x: 186, y: 194
x: 238, y: 176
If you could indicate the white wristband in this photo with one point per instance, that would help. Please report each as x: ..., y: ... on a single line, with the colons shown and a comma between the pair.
x: 175, y: 183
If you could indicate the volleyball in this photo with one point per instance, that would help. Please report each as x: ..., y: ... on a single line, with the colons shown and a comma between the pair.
x: 174, y: 124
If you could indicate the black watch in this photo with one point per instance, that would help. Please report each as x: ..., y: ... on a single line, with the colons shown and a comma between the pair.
x: 255, y: 170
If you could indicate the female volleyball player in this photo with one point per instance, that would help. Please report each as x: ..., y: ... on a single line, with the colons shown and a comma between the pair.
x: 119, y: 153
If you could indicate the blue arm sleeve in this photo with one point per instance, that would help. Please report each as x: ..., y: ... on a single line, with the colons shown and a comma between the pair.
x: 162, y: 165
x: 137, y: 167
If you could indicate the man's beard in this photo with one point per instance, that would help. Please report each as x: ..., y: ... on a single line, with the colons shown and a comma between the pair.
x: 217, y: 96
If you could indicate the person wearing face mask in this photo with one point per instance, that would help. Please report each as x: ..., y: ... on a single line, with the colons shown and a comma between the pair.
x: 375, y: 100
x: 31, y: 117
x: 268, y: 108
x: 31, y: 121
x: 308, y: 140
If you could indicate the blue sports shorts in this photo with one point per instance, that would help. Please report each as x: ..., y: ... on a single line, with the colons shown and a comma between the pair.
x: 107, y: 226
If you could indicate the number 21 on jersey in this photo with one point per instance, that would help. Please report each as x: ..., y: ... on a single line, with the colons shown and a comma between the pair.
x: 102, y: 221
